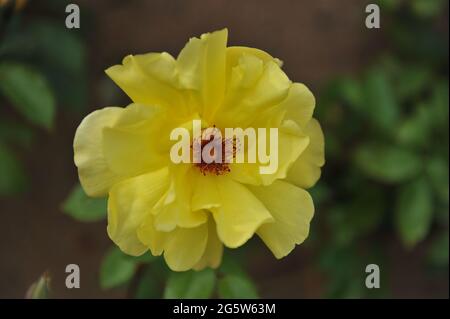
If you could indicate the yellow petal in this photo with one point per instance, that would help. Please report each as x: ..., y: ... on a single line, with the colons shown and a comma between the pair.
x: 212, y: 257
x: 129, y: 202
x: 299, y: 104
x: 252, y: 88
x: 239, y: 214
x: 149, y: 79
x: 95, y: 175
x: 205, y: 192
x: 176, y: 210
x: 292, y: 209
x: 306, y: 170
x: 130, y: 148
x: 150, y: 237
x: 291, y: 143
x: 185, y: 246
x: 201, y: 66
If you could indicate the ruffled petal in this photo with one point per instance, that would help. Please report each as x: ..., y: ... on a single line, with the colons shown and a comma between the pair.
x: 175, y: 210
x: 185, y: 246
x: 306, y: 170
x: 150, y: 79
x: 201, y: 66
x: 239, y: 214
x: 212, y: 257
x: 95, y: 175
x: 129, y: 202
x: 291, y: 143
x: 253, y: 86
x: 299, y: 104
x: 292, y: 209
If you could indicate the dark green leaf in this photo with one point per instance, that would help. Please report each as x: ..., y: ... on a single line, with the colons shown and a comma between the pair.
x: 116, y: 269
x: 83, y: 208
x: 387, y: 163
x: 148, y: 287
x: 414, y: 211
x: 29, y: 93
x: 380, y: 100
x: 236, y: 287
x: 12, y: 176
x: 190, y: 284
x: 415, y: 130
x: 437, y: 170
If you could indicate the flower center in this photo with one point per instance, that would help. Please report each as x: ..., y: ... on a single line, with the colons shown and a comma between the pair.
x: 215, y: 153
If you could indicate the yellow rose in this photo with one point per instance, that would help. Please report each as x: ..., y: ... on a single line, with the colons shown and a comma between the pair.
x: 185, y: 211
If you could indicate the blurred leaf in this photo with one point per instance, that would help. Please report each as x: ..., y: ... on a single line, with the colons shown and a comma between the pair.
x: 358, y: 218
x: 58, y: 46
x: 380, y: 100
x: 63, y: 57
x: 351, y: 92
x: 116, y: 269
x: 84, y: 208
x: 437, y: 170
x: 414, y: 211
x: 40, y: 289
x: 387, y: 163
x: 428, y: 8
x: 190, y: 284
x: 148, y: 287
x: 16, y: 133
x: 440, y: 103
x: 439, y: 250
x: 145, y: 258
x: 390, y: 5
x: 236, y: 287
x: 29, y: 93
x: 12, y: 176
x: 412, y: 81
x: 415, y: 130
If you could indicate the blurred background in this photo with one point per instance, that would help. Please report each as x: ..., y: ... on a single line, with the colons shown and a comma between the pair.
x: 382, y: 99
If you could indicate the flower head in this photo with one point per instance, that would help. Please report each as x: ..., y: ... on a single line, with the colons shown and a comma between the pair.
x: 189, y: 211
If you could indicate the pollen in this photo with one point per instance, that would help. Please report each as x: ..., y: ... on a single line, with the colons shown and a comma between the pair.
x: 222, y: 153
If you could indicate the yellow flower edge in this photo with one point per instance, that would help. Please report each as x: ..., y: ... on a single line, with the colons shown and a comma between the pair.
x: 174, y: 209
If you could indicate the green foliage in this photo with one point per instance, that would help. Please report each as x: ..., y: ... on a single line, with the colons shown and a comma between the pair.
x: 12, y: 175
x: 40, y: 289
x: 386, y: 132
x: 414, y: 211
x: 387, y: 163
x: 190, y: 284
x: 117, y: 269
x: 28, y: 92
x: 236, y: 287
x: 84, y: 208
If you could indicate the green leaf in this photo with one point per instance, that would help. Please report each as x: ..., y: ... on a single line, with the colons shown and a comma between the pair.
x: 190, y: 284
x: 40, y: 289
x: 415, y: 131
x: 350, y: 91
x: 116, y: 269
x: 29, y: 93
x: 351, y: 221
x: 387, y: 163
x: 380, y: 100
x: 412, y: 81
x: 427, y: 8
x: 414, y: 212
x: 12, y: 176
x: 148, y: 287
x: 437, y: 170
x: 236, y: 287
x: 83, y: 208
